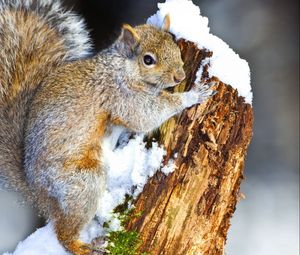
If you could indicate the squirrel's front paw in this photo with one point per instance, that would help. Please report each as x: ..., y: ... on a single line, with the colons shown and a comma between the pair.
x: 199, y: 93
x: 204, y: 90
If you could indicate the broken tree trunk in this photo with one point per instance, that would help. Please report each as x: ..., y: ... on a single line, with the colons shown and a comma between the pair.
x: 189, y: 211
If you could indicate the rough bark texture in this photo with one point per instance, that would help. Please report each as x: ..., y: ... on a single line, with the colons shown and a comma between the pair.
x: 189, y: 211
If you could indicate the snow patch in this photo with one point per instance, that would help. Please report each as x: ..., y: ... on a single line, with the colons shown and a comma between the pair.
x: 169, y: 167
x: 42, y: 241
x: 187, y: 23
x: 128, y: 169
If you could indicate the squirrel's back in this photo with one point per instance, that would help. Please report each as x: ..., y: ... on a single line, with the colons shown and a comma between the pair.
x: 36, y: 36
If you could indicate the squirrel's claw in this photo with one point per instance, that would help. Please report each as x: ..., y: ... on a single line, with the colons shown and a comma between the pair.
x: 99, y: 245
x: 205, y: 90
x: 215, y: 92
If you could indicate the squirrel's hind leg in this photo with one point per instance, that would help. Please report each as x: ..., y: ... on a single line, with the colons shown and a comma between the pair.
x: 69, y: 222
x: 68, y: 227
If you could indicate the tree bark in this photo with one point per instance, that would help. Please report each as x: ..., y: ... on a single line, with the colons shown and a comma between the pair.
x: 189, y: 211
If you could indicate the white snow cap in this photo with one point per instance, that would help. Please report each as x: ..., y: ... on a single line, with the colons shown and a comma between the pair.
x: 187, y: 23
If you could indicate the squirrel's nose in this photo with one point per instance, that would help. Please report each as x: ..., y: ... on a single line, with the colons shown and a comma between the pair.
x: 179, y: 76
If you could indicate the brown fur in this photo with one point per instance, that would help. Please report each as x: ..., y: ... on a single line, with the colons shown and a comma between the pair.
x: 119, y: 122
x: 67, y: 230
x: 32, y: 62
x: 88, y: 160
x: 89, y: 157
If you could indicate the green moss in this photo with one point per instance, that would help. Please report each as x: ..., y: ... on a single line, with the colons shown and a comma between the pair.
x: 124, y: 243
x: 122, y: 208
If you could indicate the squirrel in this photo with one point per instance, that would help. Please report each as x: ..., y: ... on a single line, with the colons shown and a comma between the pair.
x: 57, y: 100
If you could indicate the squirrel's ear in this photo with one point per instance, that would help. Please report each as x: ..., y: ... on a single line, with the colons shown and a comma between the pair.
x: 129, y: 38
x: 166, y: 23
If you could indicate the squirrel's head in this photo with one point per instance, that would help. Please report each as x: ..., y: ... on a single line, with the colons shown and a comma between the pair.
x: 152, y: 54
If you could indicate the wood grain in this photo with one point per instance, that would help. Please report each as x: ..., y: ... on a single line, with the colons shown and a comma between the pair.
x: 189, y: 211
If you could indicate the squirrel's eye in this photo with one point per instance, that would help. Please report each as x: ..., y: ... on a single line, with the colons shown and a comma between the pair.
x: 149, y: 60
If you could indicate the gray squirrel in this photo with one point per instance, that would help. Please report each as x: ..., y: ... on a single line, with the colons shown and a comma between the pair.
x: 56, y: 102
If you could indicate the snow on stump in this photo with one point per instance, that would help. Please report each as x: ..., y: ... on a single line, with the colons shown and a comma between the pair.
x: 189, y: 211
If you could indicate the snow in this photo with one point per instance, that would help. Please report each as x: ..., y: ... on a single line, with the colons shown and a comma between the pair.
x: 187, y: 23
x: 42, y: 241
x: 128, y: 165
x: 169, y: 167
x: 127, y: 162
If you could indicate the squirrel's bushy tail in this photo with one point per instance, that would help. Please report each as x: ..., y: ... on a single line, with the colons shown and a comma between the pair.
x: 36, y: 36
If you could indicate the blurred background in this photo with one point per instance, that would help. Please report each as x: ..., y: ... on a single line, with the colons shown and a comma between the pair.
x: 266, y: 34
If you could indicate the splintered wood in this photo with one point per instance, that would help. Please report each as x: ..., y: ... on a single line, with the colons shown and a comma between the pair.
x: 189, y: 211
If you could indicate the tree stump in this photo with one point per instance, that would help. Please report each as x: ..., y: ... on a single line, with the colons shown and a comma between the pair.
x: 189, y: 211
